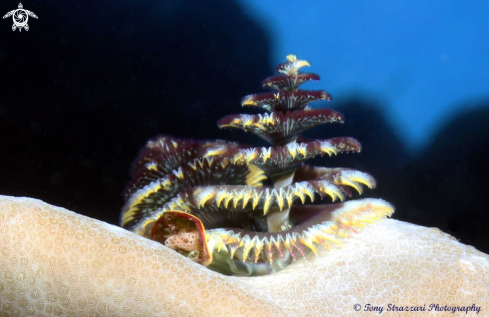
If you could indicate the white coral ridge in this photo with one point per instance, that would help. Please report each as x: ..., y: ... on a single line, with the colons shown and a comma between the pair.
x: 57, y: 263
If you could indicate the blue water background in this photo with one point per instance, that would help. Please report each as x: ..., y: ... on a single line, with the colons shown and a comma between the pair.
x: 422, y: 60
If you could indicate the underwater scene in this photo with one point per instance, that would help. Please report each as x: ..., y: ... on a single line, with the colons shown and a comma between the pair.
x: 244, y: 158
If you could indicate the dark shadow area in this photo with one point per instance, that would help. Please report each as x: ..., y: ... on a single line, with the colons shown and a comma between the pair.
x: 443, y: 187
x: 448, y: 182
x: 91, y: 82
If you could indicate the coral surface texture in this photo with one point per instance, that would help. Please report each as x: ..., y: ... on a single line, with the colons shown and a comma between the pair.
x: 57, y: 263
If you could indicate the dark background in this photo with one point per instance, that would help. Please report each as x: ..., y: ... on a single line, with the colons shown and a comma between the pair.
x: 90, y: 83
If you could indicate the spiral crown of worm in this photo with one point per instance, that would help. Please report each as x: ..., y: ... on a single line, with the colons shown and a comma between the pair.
x: 206, y: 199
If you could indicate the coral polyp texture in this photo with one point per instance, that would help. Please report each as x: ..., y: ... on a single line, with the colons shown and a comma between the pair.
x: 58, y: 263
x: 207, y: 199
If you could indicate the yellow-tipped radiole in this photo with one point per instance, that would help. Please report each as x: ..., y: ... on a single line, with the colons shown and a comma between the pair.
x: 178, y: 183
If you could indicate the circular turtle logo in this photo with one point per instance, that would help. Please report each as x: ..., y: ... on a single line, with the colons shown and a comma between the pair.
x: 20, y: 17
